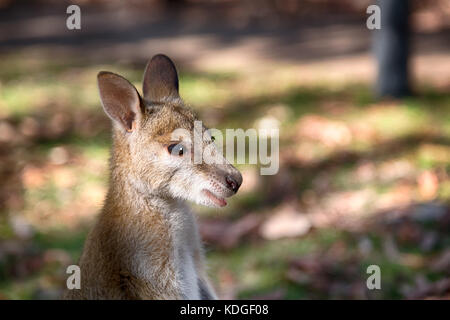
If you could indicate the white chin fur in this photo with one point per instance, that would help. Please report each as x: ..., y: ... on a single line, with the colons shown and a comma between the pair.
x: 203, y: 192
x: 201, y: 199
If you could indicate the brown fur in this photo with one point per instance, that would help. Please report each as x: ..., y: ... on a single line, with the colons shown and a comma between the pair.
x: 134, y: 248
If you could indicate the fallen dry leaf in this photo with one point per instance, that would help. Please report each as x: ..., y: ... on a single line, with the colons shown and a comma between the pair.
x: 330, y: 133
x: 227, y: 234
x: 286, y: 222
x: 428, y: 185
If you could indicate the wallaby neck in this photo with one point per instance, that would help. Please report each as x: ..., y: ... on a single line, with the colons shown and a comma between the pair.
x: 128, y: 196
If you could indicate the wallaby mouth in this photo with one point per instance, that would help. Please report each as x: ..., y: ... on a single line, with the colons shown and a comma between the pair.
x: 217, y: 200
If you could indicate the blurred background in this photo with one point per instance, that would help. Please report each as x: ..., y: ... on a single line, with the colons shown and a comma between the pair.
x: 364, y: 177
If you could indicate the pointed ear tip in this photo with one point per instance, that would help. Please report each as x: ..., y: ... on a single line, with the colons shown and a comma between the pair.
x: 108, y: 76
x: 102, y: 74
x: 160, y: 58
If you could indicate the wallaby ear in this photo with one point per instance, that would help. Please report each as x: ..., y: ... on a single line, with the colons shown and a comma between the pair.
x: 160, y: 80
x: 120, y: 99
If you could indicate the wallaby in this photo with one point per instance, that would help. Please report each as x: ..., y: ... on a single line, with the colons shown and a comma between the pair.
x: 145, y: 244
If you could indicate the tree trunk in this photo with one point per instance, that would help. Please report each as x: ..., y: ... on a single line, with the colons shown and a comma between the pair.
x: 391, y: 46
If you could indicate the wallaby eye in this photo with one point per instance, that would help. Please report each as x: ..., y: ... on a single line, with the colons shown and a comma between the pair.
x: 176, y: 149
x: 213, y: 138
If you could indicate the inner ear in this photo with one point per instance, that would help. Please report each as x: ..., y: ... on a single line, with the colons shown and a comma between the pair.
x: 120, y: 99
x: 160, y: 80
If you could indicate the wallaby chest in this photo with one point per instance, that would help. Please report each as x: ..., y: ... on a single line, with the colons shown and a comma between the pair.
x: 186, y: 246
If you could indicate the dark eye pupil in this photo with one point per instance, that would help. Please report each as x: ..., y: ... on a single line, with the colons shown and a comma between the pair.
x: 176, y: 149
x: 213, y: 138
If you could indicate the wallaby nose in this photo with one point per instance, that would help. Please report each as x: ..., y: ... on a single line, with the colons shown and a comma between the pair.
x: 233, y: 183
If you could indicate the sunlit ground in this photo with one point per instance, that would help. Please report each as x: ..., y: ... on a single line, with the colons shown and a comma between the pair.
x: 361, y: 182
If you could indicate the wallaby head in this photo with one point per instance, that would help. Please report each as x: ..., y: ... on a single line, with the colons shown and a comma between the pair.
x: 154, y: 138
